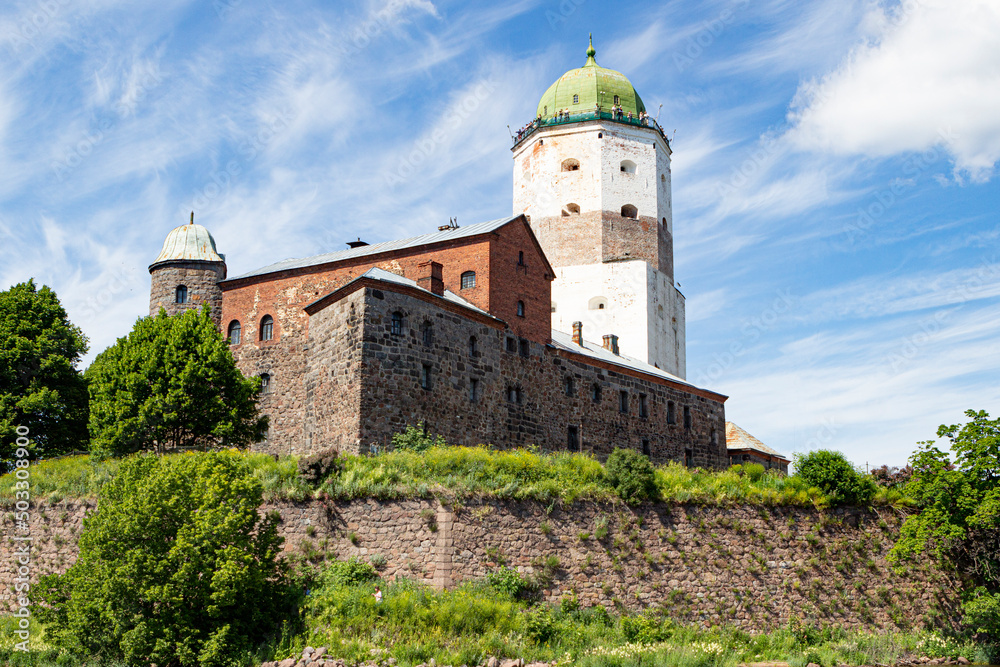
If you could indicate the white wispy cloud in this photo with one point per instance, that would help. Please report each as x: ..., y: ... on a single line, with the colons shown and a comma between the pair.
x: 929, y: 78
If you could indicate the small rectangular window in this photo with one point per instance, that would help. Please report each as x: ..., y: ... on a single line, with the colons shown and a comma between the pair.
x: 645, y: 446
x: 525, y: 348
x: 514, y: 394
x: 688, y: 458
x: 643, y: 406
x: 425, y: 377
x: 671, y: 413
x: 573, y: 438
x: 570, y: 386
x: 595, y: 393
x: 623, y: 402
x: 468, y: 280
x: 511, y: 344
x: 687, y: 417
x: 474, y: 390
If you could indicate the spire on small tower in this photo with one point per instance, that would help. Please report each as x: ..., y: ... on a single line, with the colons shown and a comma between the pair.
x: 591, y: 53
x: 192, y: 218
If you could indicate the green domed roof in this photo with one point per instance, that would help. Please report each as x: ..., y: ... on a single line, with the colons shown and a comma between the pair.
x: 189, y: 242
x: 587, y: 84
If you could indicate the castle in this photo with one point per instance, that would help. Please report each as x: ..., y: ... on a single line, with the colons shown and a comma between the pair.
x: 483, y: 333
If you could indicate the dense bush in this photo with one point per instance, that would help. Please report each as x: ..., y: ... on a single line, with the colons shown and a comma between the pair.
x: 892, y: 477
x: 317, y: 467
x: 350, y: 572
x: 834, y: 474
x: 416, y: 439
x: 631, y: 474
x: 175, y: 568
x: 510, y: 582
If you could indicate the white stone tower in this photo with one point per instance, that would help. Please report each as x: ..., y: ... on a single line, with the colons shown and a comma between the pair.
x: 592, y: 173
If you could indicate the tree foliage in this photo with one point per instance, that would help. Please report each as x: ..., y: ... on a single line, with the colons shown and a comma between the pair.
x: 959, y: 517
x: 833, y: 473
x: 177, y: 567
x: 631, y: 474
x: 40, y: 386
x: 172, y: 382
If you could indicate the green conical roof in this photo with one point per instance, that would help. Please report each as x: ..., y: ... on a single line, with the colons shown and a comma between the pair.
x: 587, y: 84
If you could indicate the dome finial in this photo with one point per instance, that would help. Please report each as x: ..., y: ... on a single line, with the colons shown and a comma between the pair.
x: 591, y: 53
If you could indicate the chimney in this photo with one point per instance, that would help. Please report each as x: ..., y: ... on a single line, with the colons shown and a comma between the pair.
x: 430, y: 277
x: 578, y: 333
x: 357, y: 244
x: 611, y: 344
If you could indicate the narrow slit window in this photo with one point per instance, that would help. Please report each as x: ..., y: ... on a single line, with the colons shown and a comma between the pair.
x: 623, y: 402
x: 397, y: 323
x: 520, y: 309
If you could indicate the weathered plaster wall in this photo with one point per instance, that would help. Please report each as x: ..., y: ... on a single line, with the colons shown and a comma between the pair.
x: 752, y: 567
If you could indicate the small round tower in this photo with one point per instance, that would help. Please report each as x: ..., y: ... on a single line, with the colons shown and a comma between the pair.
x: 187, y: 272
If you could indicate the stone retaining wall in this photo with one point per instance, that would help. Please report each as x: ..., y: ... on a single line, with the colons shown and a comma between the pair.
x: 753, y: 567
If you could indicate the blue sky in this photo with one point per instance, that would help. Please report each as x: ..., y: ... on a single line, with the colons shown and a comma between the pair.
x: 836, y: 192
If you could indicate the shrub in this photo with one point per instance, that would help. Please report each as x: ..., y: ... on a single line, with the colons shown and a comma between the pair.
x: 317, y: 467
x: 176, y: 567
x: 350, y: 572
x: 416, y: 439
x: 509, y: 582
x: 631, y: 474
x: 833, y: 473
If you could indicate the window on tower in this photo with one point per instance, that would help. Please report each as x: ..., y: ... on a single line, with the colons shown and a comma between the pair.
x: 468, y: 280
x: 570, y: 164
x: 598, y: 303
x: 181, y: 294
x: 576, y: 99
x: 629, y: 211
x: 571, y: 209
x: 617, y: 100
x: 628, y: 167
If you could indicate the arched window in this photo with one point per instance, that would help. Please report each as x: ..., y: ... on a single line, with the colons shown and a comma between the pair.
x: 628, y: 167
x: 600, y: 134
x: 267, y: 328
x: 181, y: 294
x: 468, y: 280
x: 629, y: 211
x: 664, y: 221
x: 617, y: 100
x: 397, y: 323
x: 570, y: 164
x: 520, y: 309
x: 571, y: 209
x: 428, y: 333
x: 265, y: 383
x: 576, y: 99
x: 598, y: 303
x: 234, y: 332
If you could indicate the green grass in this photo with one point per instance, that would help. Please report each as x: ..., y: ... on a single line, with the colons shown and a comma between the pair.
x: 468, y: 624
x: 520, y: 474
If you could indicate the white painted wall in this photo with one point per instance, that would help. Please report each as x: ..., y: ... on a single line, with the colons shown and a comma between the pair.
x: 635, y: 292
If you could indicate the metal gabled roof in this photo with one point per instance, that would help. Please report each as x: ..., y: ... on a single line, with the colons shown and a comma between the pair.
x: 386, y: 246
x: 737, y: 438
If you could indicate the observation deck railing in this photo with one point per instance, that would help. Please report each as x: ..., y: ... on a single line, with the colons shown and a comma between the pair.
x: 566, y: 119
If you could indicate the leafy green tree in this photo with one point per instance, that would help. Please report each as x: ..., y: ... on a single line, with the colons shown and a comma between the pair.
x: 177, y: 567
x: 959, y: 517
x: 631, y: 474
x: 40, y: 386
x: 416, y: 439
x: 832, y: 473
x: 172, y: 382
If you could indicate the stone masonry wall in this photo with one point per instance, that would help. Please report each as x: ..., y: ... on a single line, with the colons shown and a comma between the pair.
x: 753, y: 567
x: 200, y: 278
x: 522, y: 395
